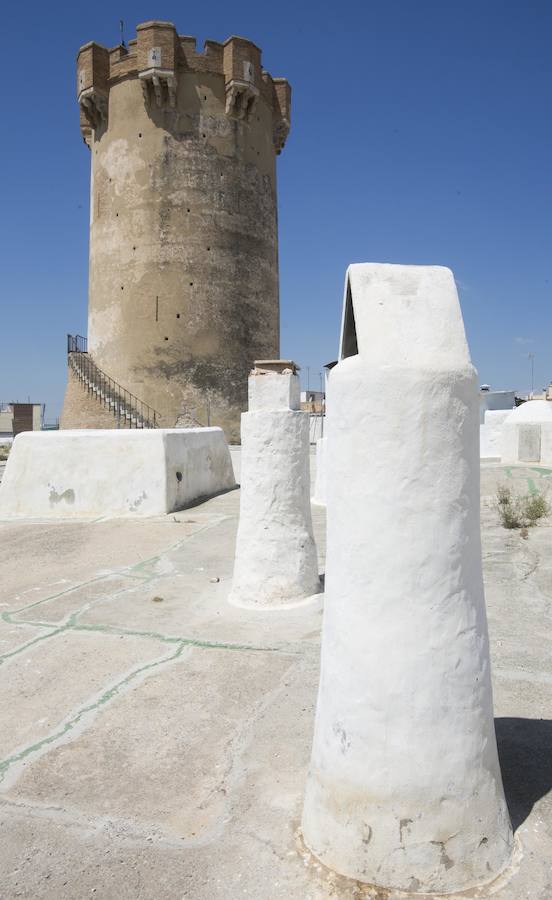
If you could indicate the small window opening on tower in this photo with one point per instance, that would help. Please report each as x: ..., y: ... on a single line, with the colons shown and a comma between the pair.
x: 166, y: 339
x: 178, y: 315
x: 349, y: 345
x: 157, y: 309
x: 191, y: 284
x: 139, y: 134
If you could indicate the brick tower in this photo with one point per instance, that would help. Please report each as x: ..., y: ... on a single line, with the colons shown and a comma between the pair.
x: 183, y: 283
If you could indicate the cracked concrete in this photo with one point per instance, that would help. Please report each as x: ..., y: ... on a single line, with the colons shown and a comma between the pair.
x: 155, y: 739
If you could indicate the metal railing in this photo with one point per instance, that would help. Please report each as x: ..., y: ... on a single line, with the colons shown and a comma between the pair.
x: 76, y: 343
x: 128, y: 409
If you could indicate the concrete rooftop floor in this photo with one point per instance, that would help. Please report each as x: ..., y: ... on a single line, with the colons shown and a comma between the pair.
x: 155, y: 740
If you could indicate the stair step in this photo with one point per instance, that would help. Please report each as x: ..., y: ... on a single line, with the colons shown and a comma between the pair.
x: 127, y: 415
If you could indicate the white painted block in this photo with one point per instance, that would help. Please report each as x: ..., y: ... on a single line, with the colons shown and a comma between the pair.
x: 274, y: 390
x: 490, y: 434
x: 404, y: 789
x: 142, y: 472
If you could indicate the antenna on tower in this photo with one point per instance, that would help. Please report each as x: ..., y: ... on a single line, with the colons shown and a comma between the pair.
x: 121, y: 28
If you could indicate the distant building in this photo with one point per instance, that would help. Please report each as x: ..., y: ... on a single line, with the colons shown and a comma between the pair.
x: 18, y: 417
x: 489, y: 399
x: 313, y: 401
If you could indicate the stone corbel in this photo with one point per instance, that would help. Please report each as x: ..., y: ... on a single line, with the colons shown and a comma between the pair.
x: 280, y: 133
x: 94, y: 106
x: 163, y: 84
x: 241, y: 98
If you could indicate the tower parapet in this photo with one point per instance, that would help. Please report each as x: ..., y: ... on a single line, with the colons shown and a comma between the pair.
x: 160, y: 56
x: 183, y: 288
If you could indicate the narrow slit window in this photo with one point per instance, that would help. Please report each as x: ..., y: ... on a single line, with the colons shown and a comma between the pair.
x: 349, y: 346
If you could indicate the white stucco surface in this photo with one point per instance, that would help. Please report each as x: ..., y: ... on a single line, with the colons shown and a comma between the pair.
x: 526, y: 434
x: 272, y: 390
x: 113, y: 473
x: 490, y: 434
x: 404, y: 789
x: 319, y: 496
x: 276, y: 561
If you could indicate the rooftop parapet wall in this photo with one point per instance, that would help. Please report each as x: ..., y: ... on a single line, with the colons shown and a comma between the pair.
x: 160, y: 56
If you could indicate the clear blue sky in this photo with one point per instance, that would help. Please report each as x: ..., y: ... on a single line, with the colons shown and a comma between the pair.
x: 421, y: 133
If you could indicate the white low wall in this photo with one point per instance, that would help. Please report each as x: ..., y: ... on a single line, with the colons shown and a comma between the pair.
x: 113, y: 473
x: 490, y: 434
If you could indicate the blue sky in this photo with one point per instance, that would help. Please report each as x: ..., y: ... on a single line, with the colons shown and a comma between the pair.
x: 421, y: 133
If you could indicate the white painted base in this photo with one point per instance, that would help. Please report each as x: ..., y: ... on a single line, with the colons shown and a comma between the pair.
x: 404, y: 789
x: 276, y: 562
x: 113, y: 473
x: 319, y: 496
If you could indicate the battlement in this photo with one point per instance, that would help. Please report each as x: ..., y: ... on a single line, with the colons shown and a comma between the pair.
x: 159, y: 56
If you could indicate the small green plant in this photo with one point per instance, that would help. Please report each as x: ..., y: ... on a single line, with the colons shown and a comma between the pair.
x: 520, y: 511
x: 536, y: 507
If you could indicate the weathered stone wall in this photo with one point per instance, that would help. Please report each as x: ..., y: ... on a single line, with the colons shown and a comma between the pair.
x: 183, y: 293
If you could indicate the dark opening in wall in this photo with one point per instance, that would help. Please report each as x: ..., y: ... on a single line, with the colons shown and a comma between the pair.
x: 178, y: 315
x: 349, y: 346
x: 166, y: 339
x: 191, y: 284
x: 157, y: 309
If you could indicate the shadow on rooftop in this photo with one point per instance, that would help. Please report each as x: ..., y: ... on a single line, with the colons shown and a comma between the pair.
x: 525, y: 751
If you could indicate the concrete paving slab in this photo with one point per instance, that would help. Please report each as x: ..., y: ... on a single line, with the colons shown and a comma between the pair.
x: 38, y: 559
x: 200, y: 710
x: 13, y: 637
x: 46, y: 691
x: 194, y: 604
x: 60, y: 607
x: 188, y: 780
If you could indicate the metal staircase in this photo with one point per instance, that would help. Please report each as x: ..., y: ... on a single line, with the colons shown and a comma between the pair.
x: 129, y: 410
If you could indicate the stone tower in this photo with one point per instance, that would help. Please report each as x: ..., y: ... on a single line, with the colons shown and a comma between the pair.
x: 183, y: 289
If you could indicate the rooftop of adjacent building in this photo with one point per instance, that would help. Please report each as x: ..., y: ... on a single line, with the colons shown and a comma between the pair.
x: 156, y: 739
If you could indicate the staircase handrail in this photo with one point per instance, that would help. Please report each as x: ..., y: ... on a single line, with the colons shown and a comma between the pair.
x: 112, y: 393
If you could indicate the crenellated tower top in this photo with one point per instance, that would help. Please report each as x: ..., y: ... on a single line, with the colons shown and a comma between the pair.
x: 159, y: 57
